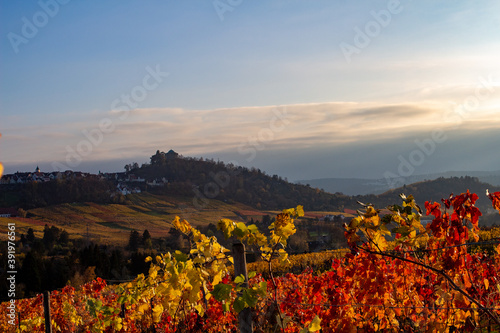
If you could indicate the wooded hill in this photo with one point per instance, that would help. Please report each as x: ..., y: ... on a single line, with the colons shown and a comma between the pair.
x: 435, y: 190
x: 206, y: 179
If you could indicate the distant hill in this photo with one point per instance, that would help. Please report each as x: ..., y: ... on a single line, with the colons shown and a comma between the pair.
x: 349, y: 186
x: 361, y: 186
x: 435, y: 190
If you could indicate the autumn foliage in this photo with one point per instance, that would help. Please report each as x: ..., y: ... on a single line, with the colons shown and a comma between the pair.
x: 398, y: 276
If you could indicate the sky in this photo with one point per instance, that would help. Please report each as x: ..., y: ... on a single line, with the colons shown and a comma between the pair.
x: 302, y: 89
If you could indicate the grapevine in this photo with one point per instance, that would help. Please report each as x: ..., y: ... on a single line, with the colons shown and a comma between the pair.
x: 398, y: 275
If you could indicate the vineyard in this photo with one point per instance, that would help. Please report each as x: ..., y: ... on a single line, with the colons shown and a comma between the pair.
x: 397, y: 276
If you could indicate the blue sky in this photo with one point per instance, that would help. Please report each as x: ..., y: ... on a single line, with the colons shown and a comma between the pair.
x: 234, y: 67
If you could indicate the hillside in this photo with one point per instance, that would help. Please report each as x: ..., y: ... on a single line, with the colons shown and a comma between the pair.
x: 111, y: 223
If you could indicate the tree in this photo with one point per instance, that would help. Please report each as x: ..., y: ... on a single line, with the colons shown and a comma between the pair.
x: 134, y: 240
x: 146, y: 239
x: 50, y: 235
x: 30, y: 236
x: 32, y: 271
x: 63, y: 237
x: 145, y: 236
x: 23, y: 239
x: 158, y: 158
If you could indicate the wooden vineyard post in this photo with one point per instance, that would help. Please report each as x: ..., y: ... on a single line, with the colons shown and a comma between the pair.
x: 46, y: 311
x: 240, y: 267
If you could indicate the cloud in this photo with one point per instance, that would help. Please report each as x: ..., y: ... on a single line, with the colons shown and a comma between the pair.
x: 320, y: 127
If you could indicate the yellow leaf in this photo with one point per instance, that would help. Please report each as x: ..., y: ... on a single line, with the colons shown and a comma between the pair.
x: 217, y: 278
x: 182, y: 225
x: 486, y: 283
x: 315, y: 324
x: 153, y: 273
x: 227, y: 226
x: 157, y: 312
x: 143, y: 308
x: 375, y: 220
x: 200, y: 309
x: 283, y: 256
x: 188, y: 286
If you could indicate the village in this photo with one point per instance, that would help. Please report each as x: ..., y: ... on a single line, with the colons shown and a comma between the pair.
x: 124, y: 181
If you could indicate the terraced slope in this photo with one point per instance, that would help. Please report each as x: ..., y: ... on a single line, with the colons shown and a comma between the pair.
x: 112, y: 223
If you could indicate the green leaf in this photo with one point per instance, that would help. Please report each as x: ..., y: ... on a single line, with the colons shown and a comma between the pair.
x: 239, y: 279
x: 238, y: 305
x: 222, y: 291
x: 181, y: 257
x: 253, y: 228
x: 252, y: 274
x: 263, y: 288
x: 241, y: 230
x: 250, y: 297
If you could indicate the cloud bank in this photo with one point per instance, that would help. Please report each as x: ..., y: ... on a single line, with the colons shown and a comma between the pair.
x: 299, y: 141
